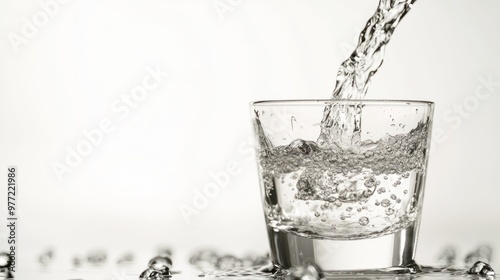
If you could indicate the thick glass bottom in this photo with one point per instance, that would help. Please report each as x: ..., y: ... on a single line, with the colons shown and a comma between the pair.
x: 389, y: 254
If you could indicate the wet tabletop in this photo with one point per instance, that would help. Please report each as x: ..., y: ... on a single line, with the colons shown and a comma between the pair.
x: 210, y: 264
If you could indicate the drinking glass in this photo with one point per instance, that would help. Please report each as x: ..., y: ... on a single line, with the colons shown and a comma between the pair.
x: 342, y: 181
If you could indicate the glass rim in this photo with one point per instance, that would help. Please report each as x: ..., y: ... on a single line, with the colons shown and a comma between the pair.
x: 308, y: 102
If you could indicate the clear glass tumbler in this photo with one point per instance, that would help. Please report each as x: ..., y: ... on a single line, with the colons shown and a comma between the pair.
x: 342, y: 181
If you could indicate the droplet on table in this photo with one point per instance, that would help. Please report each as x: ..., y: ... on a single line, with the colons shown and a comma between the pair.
x: 97, y: 257
x: 448, y: 256
x: 153, y: 274
x: 160, y: 263
x: 46, y: 258
x: 255, y: 260
x: 125, y: 259
x: 482, y: 253
x: 229, y: 262
x: 4, y: 260
x: 77, y: 261
x: 481, y: 268
x: 204, y: 258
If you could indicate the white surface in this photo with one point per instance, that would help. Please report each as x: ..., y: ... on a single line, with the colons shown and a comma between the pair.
x: 125, y: 195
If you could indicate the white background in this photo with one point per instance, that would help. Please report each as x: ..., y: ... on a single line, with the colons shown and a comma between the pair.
x: 125, y: 194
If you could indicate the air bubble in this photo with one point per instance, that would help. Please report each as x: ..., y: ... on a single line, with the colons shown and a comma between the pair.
x: 348, y: 209
x: 364, y: 221
x: 317, y: 214
x: 385, y: 202
x: 389, y: 211
x: 393, y: 197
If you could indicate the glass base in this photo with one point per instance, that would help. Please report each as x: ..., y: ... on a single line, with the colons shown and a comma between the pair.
x: 388, y: 254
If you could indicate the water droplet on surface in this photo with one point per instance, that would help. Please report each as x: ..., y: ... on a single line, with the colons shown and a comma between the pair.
x: 258, y: 259
x: 125, y: 259
x: 348, y: 209
x: 448, y: 256
x: 160, y: 263
x: 153, y: 274
x: 4, y: 260
x: 97, y: 257
x: 46, y: 258
x: 481, y: 268
x: 364, y: 221
x: 482, y: 253
x: 204, y: 258
x: 76, y: 261
x: 228, y: 262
